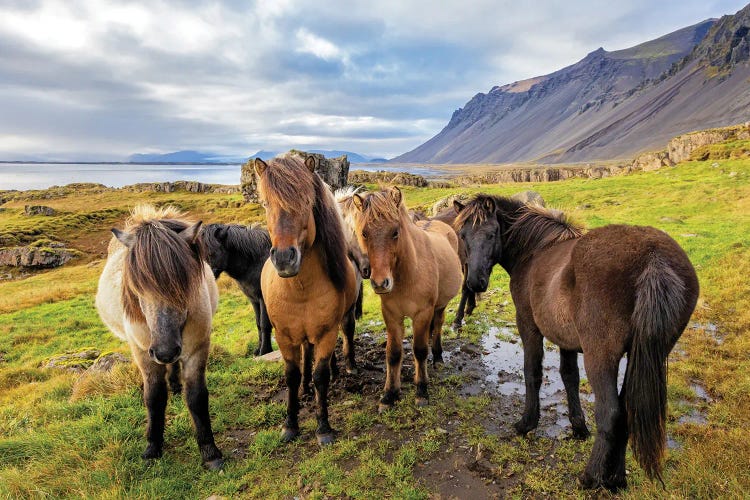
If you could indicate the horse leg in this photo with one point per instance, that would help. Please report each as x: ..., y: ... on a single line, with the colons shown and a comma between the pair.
x: 571, y: 379
x: 421, y: 325
x: 196, y: 394
x: 471, y: 303
x: 348, y: 325
x: 175, y: 377
x: 155, y: 398
x: 606, y: 465
x: 458, y: 321
x: 292, y: 358
x: 322, y: 379
x: 533, y: 353
x: 437, y: 333
x: 393, y: 352
x: 307, y: 361
x: 263, y: 325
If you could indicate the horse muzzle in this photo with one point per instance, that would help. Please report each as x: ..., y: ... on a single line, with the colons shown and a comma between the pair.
x: 286, y: 261
x: 165, y: 356
x: 385, y: 286
x: 477, y: 284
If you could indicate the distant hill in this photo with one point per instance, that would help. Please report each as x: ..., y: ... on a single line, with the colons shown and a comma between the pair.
x: 328, y: 153
x: 609, y: 105
x: 183, y: 157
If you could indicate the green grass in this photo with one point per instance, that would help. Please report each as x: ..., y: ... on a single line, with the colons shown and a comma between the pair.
x: 54, y: 445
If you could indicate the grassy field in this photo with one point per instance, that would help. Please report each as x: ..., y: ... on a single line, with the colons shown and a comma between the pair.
x: 66, y: 434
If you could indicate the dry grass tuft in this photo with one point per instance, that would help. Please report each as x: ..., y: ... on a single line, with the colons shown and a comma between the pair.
x: 121, y: 378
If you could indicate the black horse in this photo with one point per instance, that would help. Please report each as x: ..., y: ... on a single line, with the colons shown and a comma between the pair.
x: 614, y: 290
x: 241, y: 251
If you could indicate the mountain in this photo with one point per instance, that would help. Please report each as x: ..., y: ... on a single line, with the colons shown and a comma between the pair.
x: 328, y: 153
x: 183, y: 157
x: 608, y: 105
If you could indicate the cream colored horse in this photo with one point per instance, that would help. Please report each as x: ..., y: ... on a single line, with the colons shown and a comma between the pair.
x: 157, y: 293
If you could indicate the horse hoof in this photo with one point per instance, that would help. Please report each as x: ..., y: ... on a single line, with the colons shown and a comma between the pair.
x: 288, y: 434
x: 384, y: 407
x: 325, y: 439
x: 522, y: 427
x: 216, y: 464
x: 457, y: 326
x: 152, y: 452
x: 421, y: 402
x: 581, y: 434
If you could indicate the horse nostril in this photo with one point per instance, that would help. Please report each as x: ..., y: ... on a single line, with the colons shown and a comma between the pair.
x: 273, y: 251
x: 292, y: 253
x: 151, y: 353
x: 387, y: 283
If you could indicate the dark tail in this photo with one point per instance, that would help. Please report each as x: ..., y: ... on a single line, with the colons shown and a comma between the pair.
x: 360, y: 298
x: 660, y: 301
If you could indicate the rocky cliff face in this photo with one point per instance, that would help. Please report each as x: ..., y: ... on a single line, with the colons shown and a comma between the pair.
x: 609, y: 105
x: 333, y: 171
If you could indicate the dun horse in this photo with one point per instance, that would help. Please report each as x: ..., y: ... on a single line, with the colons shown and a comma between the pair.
x: 157, y: 293
x: 308, y: 283
x: 614, y: 290
x: 416, y: 271
x: 241, y: 252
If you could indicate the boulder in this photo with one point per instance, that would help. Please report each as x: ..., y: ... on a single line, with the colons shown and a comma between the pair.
x: 529, y: 197
x: 447, y: 202
x: 73, y: 361
x: 333, y: 171
x: 38, y: 210
x: 35, y: 257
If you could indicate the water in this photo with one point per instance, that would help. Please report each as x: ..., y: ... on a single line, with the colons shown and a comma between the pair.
x: 23, y: 176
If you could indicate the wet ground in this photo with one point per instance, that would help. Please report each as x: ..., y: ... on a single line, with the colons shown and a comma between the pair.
x: 493, y: 368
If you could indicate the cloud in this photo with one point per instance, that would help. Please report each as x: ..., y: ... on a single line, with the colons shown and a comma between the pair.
x: 102, y: 79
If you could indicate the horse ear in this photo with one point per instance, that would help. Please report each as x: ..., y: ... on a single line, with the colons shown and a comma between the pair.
x: 396, y: 196
x: 260, y: 166
x: 458, y: 206
x: 190, y: 234
x: 358, y: 202
x: 124, y: 237
x: 489, y: 204
x: 310, y: 163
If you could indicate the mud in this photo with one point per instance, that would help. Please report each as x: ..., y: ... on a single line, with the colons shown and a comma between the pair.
x: 493, y: 368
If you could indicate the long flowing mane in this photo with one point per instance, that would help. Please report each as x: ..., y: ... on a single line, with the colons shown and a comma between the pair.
x: 247, y: 241
x: 536, y: 228
x: 526, y: 227
x: 289, y: 184
x: 160, y: 264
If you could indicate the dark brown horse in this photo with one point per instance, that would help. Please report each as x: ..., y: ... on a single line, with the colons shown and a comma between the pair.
x: 308, y: 283
x: 614, y: 290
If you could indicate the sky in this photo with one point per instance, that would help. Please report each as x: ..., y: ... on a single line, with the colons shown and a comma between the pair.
x: 100, y: 80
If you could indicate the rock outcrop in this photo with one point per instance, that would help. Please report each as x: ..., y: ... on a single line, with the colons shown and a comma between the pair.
x: 542, y: 174
x: 189, y: 186
x: 36, y: 257
x: 530, y: 198
x: 386, y: 177
x: 333, y: 171
x: 38, y: 210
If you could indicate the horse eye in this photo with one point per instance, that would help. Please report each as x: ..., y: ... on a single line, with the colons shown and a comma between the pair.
x: 364, y: 235
x: 395, y: 234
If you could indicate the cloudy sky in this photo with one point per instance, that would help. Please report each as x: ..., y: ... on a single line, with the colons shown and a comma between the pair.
x: 98, y: 79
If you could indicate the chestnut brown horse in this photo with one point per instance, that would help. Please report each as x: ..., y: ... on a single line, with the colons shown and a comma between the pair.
x: 157, y: 292
x: 614, y: 290
x: 414, y: 267
x: 308, y: 283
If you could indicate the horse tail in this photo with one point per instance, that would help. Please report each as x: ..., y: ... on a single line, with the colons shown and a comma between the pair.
x: 660, y: 301
x: 360, y: 299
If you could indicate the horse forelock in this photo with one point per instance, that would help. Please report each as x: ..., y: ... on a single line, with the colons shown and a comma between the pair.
x: 161, y: 266
x: 288, y: 184
x: 378, y: 208
x: 476, y: 211
x: 538, y: 227
x: 145, y: 212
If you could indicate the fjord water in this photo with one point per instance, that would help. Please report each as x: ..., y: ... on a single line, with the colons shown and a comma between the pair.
x: 22, y: 176
x: 43, y: 175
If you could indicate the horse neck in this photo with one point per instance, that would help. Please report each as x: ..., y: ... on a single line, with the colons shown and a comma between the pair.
x: 242, y: 258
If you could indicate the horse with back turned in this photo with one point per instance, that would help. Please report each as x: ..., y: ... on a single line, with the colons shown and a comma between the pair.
x: 614, y: 290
